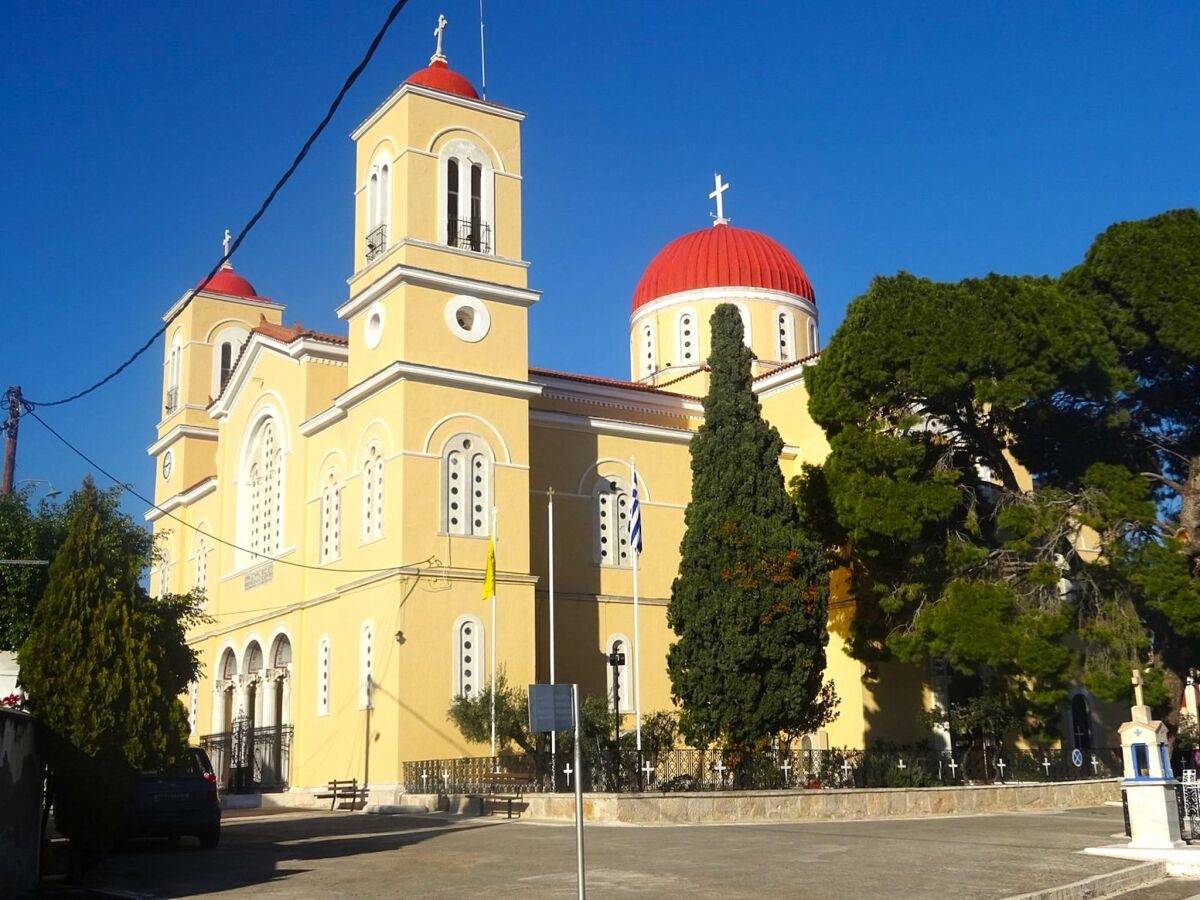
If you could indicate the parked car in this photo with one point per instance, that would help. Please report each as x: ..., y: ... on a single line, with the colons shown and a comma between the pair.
x: 180, y: 801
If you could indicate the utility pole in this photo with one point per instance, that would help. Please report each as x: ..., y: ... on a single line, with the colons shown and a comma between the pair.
x: 11, y: 424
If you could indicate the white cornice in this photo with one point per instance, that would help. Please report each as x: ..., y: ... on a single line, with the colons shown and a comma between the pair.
x: 704, y: 295
x: 299, y: 350
x: 597, y: 425
x: 224, y: 298
x: 452, y: 99
x: 184, y: 498
x: 453, y: 284
x: 405, y: 371
x: 617, y: 397
x: 181, y: 431
x: 384, y: 258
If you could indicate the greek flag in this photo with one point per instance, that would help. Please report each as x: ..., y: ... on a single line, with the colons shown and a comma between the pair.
x: 635, y: 518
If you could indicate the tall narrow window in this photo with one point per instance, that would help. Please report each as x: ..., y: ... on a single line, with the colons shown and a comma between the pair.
x: 226, y: 362
x: 787, y: 336
x: 331, y: 519
x: 366, y: 672
x: 466, y: 486
x: 647, y: 351
x: 476, y: 205
x: 452, y: 202
x: 685, y: 339
x: 612, y: 523
x: 468, y: 657
x: 372, y: 498
x: 264, y: 492
x: 193, y: 703
x: 381, y: 210
x: 164, y: 575
x: 173, y: 369
x: 202, y: 564
x: 813, y: 345
x: 373, y: 201
x: 323, y: 677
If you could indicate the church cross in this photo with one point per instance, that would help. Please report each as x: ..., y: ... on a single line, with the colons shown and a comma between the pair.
x: 648, y: 771
x: 1138, y: 700
x: 901, y: 766
x: 1000, y: 764
x: 719, y: 768
x: 225, y: 243
x: 719, y: 218
x: 786, y: 769
x: 846, y: 767
x: 1046, y: 766
x: 1095, y: 765
x: 953, y: 768
x: 438, y: 56
x: 567, y: 770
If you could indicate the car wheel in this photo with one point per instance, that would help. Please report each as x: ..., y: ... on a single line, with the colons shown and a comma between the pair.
x: 209, y: 839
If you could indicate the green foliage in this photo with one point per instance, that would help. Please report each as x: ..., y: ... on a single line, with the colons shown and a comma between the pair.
x: 472, y: 716
x: 749, y: 605
x: 104, y: 666
x: 26, y: 532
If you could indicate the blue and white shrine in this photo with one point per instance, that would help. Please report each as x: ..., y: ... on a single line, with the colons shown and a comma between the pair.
x: 1149, y: 784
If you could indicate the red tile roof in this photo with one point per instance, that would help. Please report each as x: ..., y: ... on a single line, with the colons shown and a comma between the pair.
x: 609, y: 382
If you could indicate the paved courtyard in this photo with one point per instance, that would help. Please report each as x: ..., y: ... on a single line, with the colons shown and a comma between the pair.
x: 352, y: 854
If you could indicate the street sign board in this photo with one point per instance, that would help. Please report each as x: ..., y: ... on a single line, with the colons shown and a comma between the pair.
x: 551, y: 707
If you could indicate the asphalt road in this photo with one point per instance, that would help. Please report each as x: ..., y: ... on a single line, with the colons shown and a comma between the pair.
x: 356, y: 855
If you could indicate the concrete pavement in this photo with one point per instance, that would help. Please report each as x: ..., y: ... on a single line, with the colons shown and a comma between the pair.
x: 351, y: 854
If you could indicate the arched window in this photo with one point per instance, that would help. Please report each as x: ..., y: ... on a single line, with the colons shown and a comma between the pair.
x: 226, y: 364
x: 611, y: 504
x: 201, y: 583
x: 468, y: 657
x: 323, y: 677
x: 618, y: 643
x: 813, y: 344
x: 164, y: 574
x: 228, y: 667
x: 174, y: 364
x: 466, y: 486
x: 467, y: 188
x: 378, y: 207
x: 226, y: 344
x: 687, y: 348
x: 331, y: 519
x: 372, y: 497
x: 646, y: 345
x: 366, y: 671
x: 786, y: 328
x: 263, y: 522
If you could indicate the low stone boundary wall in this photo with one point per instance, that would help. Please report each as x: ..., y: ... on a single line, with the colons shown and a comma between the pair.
x: 857, y: 803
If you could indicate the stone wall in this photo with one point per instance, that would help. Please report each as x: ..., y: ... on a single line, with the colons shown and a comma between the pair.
x: 860, y: 803
x: 20, y: 805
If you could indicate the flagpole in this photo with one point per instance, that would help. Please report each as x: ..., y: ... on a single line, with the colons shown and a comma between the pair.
x: 637, y: 642
x: 550, y: 543
x: 493, y: 690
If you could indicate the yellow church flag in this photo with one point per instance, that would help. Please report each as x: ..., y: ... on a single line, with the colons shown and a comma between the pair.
x: 489, y: 576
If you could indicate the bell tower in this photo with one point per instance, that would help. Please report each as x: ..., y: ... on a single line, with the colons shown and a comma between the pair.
x: 438, y: 275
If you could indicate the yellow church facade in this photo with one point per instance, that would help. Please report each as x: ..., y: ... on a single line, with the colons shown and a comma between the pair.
x: 333, y: 495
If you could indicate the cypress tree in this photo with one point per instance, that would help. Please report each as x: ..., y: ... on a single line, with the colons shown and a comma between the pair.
x: 104, y: 667
x: 749, y: 604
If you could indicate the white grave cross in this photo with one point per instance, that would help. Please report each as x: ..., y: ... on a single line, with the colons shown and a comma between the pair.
x: 1095, y: 765
x: 786, y: 769
x: 719, y: 768
x: 1046, y: 766
x: 567, y: 770
x: 846, y: 769
x: 901, y: 766
x: 953, y: 768
x: 719, y: 218
x: 648, y: 771
x: 1000, y: 764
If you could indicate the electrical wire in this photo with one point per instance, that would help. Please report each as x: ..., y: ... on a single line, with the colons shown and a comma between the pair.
x: 124, y: 485
x: 312, y: 138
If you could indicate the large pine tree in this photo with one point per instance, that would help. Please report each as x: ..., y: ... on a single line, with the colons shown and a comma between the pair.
x: 104, y: 667
x: 749, y: 604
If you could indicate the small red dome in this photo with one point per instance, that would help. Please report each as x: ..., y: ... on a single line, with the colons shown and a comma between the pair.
x: 441, y: 77
x: 721, y: 256
x: 227, y: 281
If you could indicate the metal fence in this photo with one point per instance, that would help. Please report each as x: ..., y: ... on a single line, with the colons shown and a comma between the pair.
x: 716, y: 770
x: 248, y: 758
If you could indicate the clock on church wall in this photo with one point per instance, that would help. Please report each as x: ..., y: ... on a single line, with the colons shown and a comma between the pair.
x: 168, y: 464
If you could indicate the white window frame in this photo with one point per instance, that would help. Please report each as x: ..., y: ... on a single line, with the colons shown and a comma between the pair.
x: 785, y: 327
x: 625, y: 673
x: 607, y: 511
x: 235, y: 336
x: 687, y: 356
x: 466, y: 457
x: 477, y: 653
x: 324, y: 660
x: 330, y: 549
x: 373, y: 494
x: 174, y: 371
x: 366, y: 665
x: 261, y: 491
x: 467, y: 154
x: 814, y: 340
x: 745, y: 313
x: 647, y: 348
x: 201, y: 577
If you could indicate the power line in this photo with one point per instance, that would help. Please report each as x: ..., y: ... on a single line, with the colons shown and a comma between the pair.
x: 124, y: 485
x: 312, y: 138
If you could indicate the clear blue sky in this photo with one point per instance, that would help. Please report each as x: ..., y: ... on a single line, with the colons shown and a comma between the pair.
x: 947, y: 139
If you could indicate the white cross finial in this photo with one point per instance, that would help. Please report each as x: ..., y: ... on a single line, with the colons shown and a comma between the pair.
x: 719, y: 189
x: 228, y: 240
x: 438, y: 56
x: 1138, y: 700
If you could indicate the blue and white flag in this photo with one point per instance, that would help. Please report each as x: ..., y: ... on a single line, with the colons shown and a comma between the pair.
x: 635, y: 518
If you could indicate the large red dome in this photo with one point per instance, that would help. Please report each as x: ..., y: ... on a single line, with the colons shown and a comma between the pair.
x: 441, y: 77
x: 227, y: 281
x: 721, y: 256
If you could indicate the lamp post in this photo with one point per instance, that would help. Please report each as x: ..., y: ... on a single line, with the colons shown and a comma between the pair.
x: 616, y: 659
x: 34, y: 482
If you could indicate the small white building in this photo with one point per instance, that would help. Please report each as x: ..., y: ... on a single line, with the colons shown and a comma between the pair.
x: 8, y: 673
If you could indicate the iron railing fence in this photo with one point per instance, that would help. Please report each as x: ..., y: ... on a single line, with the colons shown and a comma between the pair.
x: 715, y: 770
x: 248, y: 758
x: 172, y: 403
x: 468, y: 234
x: 376, y: 242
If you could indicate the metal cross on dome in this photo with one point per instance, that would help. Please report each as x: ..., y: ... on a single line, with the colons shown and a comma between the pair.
x: 719, y: 217
x: 228, y: 239
x: 438, y: 56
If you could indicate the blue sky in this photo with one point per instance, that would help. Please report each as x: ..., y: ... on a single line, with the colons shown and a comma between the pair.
x: 947, y: 139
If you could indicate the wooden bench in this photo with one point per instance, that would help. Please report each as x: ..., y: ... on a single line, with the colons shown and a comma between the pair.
x: 343, y: 790
x: 506, y: 786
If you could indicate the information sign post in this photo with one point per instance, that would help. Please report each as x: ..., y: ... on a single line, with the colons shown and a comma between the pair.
x: 555, y: 707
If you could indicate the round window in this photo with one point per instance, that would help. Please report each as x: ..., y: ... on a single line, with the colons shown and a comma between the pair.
x: 468, y: 318
x: 373, y: 333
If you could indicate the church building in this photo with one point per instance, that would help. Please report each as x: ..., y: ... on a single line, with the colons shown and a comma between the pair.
x: 333, y: 494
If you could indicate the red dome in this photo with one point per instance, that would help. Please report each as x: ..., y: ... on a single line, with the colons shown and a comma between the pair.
x: 440, y: 77
x: 721, y: 256
x: 227, y: 281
